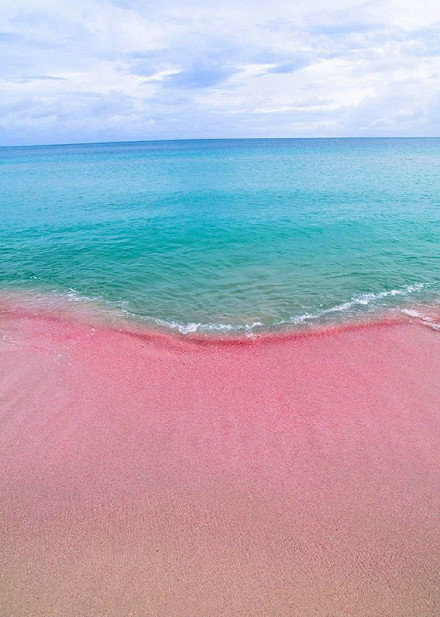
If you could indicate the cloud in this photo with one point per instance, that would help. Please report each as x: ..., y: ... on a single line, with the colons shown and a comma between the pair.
x: 289, y: 67
x: 127, y: 69
x: 8, y: 37
x: 199, y: 76
x: 27, y: 78
x: 341, y: 29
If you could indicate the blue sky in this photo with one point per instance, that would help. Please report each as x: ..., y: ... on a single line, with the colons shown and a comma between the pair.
x: 87, y: 70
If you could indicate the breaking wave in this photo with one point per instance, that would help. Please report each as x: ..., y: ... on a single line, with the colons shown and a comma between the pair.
x: 356, y: 307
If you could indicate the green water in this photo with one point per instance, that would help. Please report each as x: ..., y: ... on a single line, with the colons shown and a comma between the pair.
x: 225, y: 234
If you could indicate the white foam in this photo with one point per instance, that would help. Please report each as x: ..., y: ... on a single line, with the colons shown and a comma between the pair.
x: 365, y: 300
x: 191, y: 327
x: 371, y: 298
x: 113, y: 310
x: 425, y: 319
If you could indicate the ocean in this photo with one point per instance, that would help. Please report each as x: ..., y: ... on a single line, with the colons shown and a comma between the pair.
x: 225, y: 235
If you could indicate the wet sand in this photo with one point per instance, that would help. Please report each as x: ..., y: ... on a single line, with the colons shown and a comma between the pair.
x: 146, y: 475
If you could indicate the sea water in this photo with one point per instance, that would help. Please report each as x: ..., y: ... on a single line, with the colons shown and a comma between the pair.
x: 225, y: 235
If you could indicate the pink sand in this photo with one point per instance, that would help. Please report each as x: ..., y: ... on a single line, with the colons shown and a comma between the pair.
x: 145, y: 475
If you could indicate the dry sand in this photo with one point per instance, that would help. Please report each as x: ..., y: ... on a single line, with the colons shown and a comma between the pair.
x: 146, y: 475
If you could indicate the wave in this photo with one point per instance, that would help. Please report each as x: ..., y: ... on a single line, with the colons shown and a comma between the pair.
x: 360, y: 300
x: 99, y: 308
x: 427, y: 320
x: 365, y: 299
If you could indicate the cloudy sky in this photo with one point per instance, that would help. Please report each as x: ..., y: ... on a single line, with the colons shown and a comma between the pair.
x: 96, y: 70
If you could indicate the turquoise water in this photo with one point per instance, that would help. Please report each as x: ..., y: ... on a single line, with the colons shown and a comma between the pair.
x: 225, y: 234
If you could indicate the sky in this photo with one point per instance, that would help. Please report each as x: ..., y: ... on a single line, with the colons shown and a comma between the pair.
x: 116, y: 70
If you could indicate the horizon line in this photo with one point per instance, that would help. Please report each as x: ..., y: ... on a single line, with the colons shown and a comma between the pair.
x: 183, y: 139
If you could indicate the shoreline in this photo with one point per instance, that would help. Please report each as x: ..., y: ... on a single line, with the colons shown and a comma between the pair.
x: 88, y: 313
x: 100, y: 312
x: 283, y: 476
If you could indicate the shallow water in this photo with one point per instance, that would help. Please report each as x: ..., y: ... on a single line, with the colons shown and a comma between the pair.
x: 225, y: 235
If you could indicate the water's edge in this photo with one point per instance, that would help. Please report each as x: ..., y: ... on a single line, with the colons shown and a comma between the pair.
x: 93, y: 312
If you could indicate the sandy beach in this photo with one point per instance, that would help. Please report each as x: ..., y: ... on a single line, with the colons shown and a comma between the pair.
x: 145, y: 474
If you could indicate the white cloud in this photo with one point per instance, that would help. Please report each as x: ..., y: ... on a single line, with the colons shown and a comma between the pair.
x: 130, y: 69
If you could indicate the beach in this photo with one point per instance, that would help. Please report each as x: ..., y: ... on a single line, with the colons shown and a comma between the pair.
x: 145, y: 473
x: 219, y: 308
